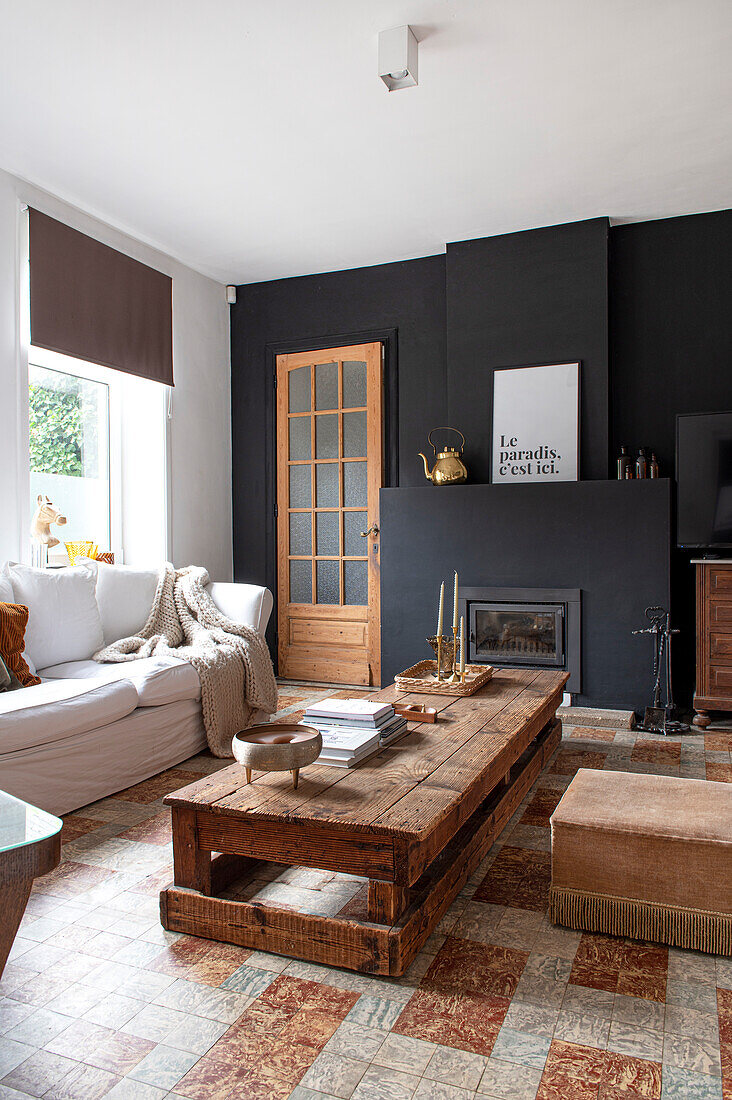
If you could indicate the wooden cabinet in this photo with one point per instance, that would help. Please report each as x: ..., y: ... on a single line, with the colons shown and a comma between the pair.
x: 713, y: 639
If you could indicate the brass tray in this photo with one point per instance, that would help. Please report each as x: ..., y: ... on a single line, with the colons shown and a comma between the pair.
x: 422, y: 678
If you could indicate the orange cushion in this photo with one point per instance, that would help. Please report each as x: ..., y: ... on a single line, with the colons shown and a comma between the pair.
x: 13, y: 621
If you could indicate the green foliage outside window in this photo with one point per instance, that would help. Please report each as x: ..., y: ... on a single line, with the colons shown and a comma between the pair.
x: 56, y: 431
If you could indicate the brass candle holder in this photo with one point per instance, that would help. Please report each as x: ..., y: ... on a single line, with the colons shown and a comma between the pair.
x: 447, y: 651
x: 454, y: 677
x: 443, y: 649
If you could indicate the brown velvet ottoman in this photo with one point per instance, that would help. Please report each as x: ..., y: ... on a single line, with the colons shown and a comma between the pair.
x: 644, y: 856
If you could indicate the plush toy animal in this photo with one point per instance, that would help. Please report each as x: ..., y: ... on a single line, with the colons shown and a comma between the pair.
x: 45, y: 514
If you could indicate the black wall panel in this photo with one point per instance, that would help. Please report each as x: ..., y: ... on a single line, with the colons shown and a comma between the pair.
x: 646, y: 309
x: 671, y: 352
x: 608, y: 538
x: 670, y: 325
x: 521, y: 299
x: 404, y: 302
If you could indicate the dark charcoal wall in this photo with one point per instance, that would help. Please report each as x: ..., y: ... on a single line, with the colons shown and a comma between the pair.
x: 318, y: 310
x: 671, y: 352
x: 523, y: 298
x: 608, y: 538
x: 539, y: 296
x: 670, y: 326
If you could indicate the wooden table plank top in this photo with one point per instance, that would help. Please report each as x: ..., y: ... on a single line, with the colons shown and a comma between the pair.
x: 481, y: 762
x: 406, y: 787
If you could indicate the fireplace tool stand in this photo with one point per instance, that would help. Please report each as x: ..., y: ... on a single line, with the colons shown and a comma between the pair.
x: 657, y: 718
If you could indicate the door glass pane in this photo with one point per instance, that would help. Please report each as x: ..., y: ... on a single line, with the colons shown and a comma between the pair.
x: 354, y: 384
x: 326, y: 386
x: 354, y: 485
x: 327, y: 533
x: 356, y: 582
x: 328, y: 581
x: 326, y: 436
x: 300, y: 487
x: 299, y: 393
x: 353, y: 524
x: 301, y: 582
x: 300, y: 437
x: 354, y: 435
x: 326, y: 485
x: 69, y: 452
x: 301, y: 533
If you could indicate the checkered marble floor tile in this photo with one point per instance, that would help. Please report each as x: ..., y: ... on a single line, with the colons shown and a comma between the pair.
x: 98, y: 1000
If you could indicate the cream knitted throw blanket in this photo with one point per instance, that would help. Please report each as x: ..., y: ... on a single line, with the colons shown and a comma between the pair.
x: 232, y: 660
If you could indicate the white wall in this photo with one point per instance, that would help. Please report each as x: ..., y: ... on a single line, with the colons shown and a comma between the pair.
x: 200, y: 430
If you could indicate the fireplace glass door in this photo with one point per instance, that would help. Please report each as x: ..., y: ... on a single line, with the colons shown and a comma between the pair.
x: 517, y: 634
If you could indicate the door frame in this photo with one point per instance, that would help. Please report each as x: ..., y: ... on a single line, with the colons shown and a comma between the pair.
x: 388, y: 337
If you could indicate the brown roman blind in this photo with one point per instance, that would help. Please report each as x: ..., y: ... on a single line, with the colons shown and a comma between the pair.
x: 92, y: 302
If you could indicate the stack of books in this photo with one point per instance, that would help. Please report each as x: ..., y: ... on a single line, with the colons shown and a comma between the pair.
x: 353, y: 729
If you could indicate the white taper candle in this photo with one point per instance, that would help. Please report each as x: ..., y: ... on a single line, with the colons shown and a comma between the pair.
x: 455, y: 603
x: 462, y: 645
x: 441, y: 611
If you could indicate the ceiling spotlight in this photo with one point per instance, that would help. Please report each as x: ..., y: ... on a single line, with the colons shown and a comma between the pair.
x: 398, y: 58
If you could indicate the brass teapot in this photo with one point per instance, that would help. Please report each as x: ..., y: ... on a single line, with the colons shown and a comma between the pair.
x: 449, y: 468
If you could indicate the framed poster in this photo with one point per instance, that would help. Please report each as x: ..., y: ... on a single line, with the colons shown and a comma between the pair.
x: 536, y: 423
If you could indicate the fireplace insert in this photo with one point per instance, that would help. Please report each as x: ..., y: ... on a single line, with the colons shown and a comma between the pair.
x: 517, y: 634
x: 524, y: 628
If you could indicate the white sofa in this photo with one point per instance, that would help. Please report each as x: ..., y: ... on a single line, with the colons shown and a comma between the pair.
x: 90, y: 730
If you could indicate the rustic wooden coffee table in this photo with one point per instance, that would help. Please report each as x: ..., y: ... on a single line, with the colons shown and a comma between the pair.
x: 414, y: 820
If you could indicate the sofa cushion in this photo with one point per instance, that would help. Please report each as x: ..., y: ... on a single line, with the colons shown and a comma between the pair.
x: 157, y: 680
x: 125, y: 598
x: 8, y: 596
x: 249, y: 604
x: 13, y: 623
x: 6, y: 589
x: 57, y: 709
x: 63, y: 617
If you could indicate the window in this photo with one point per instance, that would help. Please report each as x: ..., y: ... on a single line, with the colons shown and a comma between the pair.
x: 98, y: 447
x: 68, y: 421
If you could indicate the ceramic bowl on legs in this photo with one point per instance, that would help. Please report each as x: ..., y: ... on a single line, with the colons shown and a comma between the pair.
x: 284, y: 747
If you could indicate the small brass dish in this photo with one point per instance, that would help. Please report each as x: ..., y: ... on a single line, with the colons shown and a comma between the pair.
x: 284, y: 747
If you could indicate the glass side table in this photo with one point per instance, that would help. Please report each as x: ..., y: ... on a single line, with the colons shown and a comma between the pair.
x: 30, y: 846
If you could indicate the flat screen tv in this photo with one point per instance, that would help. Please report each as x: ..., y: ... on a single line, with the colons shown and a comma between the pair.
x: 704, y: 479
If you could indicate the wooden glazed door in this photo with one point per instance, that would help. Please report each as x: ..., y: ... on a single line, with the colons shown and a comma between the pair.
x: 329, y: 472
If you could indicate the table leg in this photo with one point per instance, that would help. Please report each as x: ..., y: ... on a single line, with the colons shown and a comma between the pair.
x: 191, y: 865
x: 15, y: 896
x: 387, y: 901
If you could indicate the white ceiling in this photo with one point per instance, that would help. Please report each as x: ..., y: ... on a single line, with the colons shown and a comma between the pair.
x: 252, y: 139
